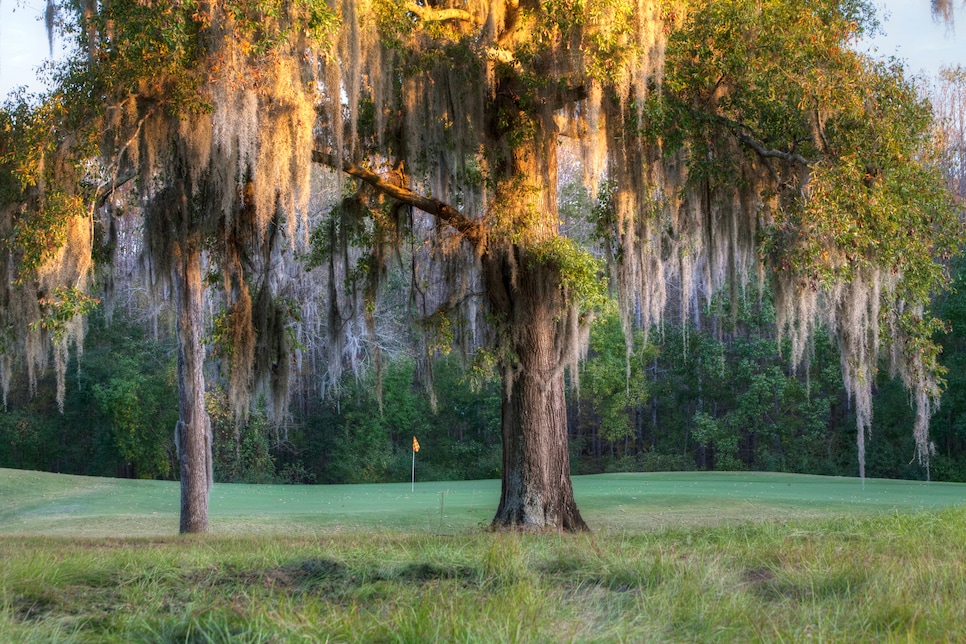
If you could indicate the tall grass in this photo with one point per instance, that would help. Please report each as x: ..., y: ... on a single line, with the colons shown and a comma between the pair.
x: 883, y: 578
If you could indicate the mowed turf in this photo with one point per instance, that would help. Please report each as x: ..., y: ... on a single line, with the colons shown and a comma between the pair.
x: 49, y: 504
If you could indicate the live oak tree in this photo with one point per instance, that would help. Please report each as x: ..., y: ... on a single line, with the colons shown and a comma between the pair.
x: 845, y: 170
x: 727, y: 141
x: 200, y: 117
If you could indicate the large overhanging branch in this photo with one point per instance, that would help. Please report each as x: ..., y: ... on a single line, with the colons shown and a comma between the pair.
x: 471, y: 230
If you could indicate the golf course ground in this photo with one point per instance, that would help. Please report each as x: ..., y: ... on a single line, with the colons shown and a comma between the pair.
x: 731, y: 557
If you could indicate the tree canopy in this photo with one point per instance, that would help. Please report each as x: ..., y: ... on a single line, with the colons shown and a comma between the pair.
x: 726, y: 142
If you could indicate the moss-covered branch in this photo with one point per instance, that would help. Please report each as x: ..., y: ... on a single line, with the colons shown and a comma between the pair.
x: 471, y: 230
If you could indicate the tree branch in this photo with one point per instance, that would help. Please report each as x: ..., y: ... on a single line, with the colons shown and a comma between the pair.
x: 740, y: 132
x: 428, y: 14
x: 791, y: 157
x: 568, y: 96
x: 500, y: 55
x: 105, y: 191
x: 471, y: 230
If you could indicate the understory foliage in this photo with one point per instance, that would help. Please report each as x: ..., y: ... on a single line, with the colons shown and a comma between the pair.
x: 117, y: 415
x: 348, y: 443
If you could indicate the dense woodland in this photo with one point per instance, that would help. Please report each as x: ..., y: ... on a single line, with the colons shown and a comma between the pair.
x: 543, y: 237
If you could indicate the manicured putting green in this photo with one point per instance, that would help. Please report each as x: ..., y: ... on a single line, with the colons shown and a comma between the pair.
x: 52, y: 504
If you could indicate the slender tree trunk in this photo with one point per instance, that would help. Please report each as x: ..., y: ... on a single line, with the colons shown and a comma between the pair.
x: 193, y: 432
x: 536, y: 489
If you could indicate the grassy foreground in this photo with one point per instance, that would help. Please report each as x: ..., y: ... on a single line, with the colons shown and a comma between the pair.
x: 674, y: 558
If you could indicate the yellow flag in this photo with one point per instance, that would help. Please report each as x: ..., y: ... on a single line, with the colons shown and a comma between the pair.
x: 415, y: 444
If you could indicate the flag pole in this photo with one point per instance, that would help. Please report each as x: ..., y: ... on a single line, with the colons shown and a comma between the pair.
x: 415, y: 449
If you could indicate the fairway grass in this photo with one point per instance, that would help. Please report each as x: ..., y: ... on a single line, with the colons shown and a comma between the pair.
x: 39, y: 503
x: 672, y: 557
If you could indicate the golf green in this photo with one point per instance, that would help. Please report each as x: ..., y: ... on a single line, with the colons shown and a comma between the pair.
x: 52, y: 504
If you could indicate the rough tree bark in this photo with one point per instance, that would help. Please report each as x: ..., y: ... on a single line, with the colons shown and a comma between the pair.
x: 193, y: 431
x: 523, y: 287
x: 536, y: 488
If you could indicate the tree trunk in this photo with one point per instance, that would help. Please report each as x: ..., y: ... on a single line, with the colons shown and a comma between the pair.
x: 193, y: 432
x: 536, y: 490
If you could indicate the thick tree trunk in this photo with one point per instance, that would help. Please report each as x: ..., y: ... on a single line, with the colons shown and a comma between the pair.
x: 536, y: 492
x: 193, y: 432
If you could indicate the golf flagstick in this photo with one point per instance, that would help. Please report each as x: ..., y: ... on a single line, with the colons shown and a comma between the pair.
x: 415, y: 449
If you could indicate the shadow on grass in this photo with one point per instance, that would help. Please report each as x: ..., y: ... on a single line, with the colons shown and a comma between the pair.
x: 331, y: 578
x: 780, y: 587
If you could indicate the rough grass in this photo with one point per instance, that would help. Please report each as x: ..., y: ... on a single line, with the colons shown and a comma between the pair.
x: 889, y: 565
